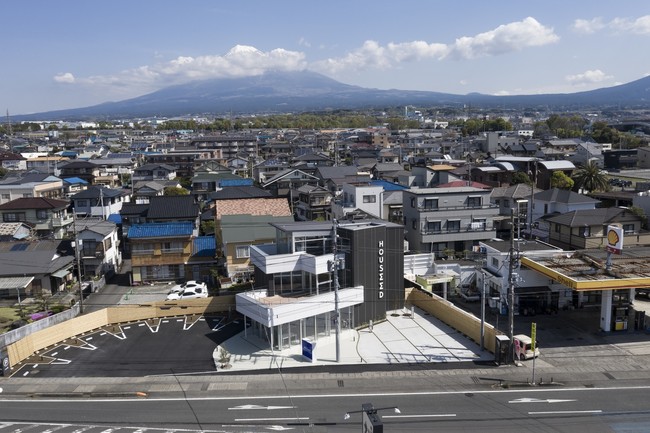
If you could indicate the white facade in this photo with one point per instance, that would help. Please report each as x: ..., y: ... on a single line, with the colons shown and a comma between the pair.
x: 366, y: 198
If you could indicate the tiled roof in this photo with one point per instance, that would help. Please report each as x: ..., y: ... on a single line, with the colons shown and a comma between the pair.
x: 34, y: 203
x: 139, y: 209
x: 160, y: 230
x: 97, y: 192
x: 255, y: 206
x: 168, y: 207
x: 240, y: 192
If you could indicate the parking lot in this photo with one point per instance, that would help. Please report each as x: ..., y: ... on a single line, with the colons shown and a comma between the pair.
x: 178, y: 345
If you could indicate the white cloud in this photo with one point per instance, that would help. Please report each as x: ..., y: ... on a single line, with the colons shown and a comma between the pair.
x: 588, y: 26
x: 304, y: 42
x: 503, y: 39
x: 239, y: 61
x: 638, y: 26
x: 66, y: 77
x: 588, y: 77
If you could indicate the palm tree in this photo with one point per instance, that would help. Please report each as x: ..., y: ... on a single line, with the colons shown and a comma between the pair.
x: 590, y: 178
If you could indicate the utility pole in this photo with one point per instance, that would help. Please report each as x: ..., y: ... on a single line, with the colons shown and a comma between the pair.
x: 76, y: 255
x: 334, y: 268
x: 511, y: 287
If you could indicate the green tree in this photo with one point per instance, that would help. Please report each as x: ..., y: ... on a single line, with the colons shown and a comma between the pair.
x: 521, y: 177
x: 590, y: 178
x: 175, y: 190
x: 561, y: 180
x: 641, y: 214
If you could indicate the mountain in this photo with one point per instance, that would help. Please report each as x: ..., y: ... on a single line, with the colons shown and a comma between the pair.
x: 275, y: 92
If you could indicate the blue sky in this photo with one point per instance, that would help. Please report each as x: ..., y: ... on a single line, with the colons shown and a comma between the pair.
x: 75, y: 53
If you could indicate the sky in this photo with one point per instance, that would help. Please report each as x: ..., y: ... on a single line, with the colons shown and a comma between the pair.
x: 60, y: 54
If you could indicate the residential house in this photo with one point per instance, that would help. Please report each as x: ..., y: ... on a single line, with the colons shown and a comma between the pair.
x: 553, y: 202
x: 15, y: 231
x: 34, y: 269
x: 98, y: 248
x: 446, y: 220
x: 620, y: 159
x: 360, y: 197
x: 588, y: 152
x: 245, y: 208
x: 48, y: 216
x: 513, y: 204
x: 12, y: 161
x: 160, y: 251
x: 582, y: 229
x: 82, y: 169
x: 149, y: 172
x: 333, y: 178
x: 46, y: 164
x: 312, y: 203
x: 99, y: 201
x: 73, y: 185
x: 30, y: 185
x: 286, y: 182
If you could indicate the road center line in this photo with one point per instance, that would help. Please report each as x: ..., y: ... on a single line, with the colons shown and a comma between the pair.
x: 435, y: 415
x: 272, y: 419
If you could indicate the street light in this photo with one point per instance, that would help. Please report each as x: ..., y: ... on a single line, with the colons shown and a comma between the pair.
x: 371, y: 421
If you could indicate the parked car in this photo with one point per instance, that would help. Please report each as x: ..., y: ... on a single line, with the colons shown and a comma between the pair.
x: 189, y: 293
x: 523, y: 347
x: 191, y: 284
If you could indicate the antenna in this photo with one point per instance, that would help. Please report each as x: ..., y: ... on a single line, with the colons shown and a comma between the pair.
x: 9, y: 123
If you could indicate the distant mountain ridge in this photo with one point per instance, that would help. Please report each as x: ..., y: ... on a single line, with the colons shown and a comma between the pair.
x: 277, y: 92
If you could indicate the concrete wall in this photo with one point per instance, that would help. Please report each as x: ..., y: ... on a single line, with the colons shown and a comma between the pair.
x: 40, y: 339
x: 453, y: 316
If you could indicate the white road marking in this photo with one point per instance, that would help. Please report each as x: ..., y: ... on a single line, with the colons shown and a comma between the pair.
x: 537, y: 400
x: 127, y: 327
x: 301, y: 418
x: 89, y: 338
x: 54, y: 354
x: 433, y: 415
x: 564, y: 412
x: 256, y: 407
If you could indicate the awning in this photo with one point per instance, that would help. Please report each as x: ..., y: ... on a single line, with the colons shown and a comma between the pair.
x: 61, y: 273
x: 15, y: 282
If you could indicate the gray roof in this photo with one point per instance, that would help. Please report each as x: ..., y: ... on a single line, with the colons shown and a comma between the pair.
x: 557, y: 195
x: 171, y: 207
x: 593, y: 217
x: 103, y: 228
x: 249, y: 228
x: 240, y: 192
x: 520, y: 190
x: 97, y: 191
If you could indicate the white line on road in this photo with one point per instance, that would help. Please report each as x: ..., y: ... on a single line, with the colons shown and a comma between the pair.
x: 564, y: 412
x: 433, y: 415
x: 302, y: 418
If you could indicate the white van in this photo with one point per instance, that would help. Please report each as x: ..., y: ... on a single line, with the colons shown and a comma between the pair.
x: 523, y: 347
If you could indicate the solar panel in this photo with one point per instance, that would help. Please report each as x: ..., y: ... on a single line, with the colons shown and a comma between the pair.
x: 19, y: 247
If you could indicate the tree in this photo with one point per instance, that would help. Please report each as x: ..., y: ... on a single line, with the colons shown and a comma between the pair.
x: 641, y: 214
x: 590, y: 178
x: 175, y: 190
x: 561, y: 180
x: 521, y: 177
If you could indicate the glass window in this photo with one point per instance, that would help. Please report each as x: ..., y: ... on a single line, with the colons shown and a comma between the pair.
x: 453, y: 226
x: 369, y: 199
x: 473, y: 201
x: 628, y: 228
x: 431, y: 203
x: 41, y: 214
x: 243, y: 251
x: 433, y: 226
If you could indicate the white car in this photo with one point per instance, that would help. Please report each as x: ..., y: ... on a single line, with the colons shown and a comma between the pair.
x: 189, y: 293
x: 191, y: 284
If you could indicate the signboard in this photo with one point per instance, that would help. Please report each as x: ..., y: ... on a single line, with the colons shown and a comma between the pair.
x: 308, y: 347
x: 533, y: 336
x: 614, y: 239
x: 370, y: 421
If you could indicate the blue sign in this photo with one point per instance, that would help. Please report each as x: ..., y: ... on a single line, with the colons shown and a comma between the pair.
x: 308, y: 349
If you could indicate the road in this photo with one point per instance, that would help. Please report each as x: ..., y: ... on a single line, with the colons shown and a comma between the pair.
x: 572, y: 410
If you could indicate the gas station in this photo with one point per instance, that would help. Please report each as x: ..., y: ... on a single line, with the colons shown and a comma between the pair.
x: 613, y: 274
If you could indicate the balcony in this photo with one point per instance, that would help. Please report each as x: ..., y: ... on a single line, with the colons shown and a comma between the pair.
x: 456, y: 208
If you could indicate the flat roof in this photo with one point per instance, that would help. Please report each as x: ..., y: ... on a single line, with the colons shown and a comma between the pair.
x: 586, y: 269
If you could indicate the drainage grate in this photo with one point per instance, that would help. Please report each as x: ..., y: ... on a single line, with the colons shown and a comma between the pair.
x: 476, y: 380
x: 340, y: 383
